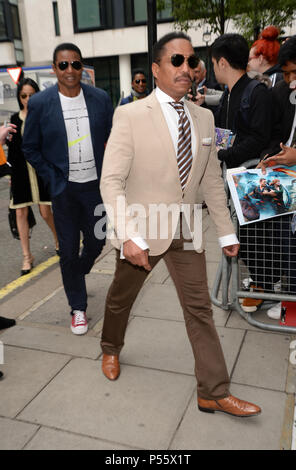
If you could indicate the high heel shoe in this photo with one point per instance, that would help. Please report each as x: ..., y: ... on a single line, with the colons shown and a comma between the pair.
x: 27, y: 264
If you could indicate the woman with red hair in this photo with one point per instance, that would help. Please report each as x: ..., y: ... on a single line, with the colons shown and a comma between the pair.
x: 264, y: 54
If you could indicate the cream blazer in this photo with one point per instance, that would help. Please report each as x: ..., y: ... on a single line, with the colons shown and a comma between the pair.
x: 140, y: 178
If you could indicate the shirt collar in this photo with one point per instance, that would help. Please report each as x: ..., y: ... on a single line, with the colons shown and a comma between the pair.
x: 163, y: 97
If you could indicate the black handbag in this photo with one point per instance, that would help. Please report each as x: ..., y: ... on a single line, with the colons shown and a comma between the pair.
x: 13, y: 225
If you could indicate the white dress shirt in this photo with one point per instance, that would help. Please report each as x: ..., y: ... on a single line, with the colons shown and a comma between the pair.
x: 172, y: 120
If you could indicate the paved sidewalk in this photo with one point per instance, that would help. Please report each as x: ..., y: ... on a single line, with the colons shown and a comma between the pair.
x: 54, y: 395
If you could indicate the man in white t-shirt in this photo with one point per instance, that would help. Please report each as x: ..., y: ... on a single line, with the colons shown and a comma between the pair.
x: 64, y: 139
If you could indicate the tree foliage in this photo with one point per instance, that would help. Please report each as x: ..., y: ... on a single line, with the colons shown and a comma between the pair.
x: 249, y: 16
x: 201, y: 12
x: 262, y: 13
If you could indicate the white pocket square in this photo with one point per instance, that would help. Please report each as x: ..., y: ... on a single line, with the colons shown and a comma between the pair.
x: 207, y: 141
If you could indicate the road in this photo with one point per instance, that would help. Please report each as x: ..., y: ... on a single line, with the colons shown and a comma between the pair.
x: 42, y: 243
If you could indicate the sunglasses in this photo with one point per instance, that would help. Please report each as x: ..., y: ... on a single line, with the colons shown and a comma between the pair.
x: 178, y: 59
x: 141, y: 80
x: 75, y: 64
x: 25, y: 95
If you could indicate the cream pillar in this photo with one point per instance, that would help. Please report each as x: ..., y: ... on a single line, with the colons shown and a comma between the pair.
x: 125, y: 76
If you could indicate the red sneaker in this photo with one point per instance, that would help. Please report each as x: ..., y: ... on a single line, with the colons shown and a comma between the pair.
x: 79, y: 324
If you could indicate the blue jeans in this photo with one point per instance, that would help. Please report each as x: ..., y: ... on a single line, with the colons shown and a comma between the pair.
x: 73, y: 212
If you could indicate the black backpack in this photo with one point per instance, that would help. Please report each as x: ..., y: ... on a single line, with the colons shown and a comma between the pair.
x: 245, y: 100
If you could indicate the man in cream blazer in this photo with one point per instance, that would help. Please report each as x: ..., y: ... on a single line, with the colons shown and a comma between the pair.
x: 153, y: 215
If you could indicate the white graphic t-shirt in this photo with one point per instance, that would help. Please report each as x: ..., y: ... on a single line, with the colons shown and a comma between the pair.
x: 82, y: 166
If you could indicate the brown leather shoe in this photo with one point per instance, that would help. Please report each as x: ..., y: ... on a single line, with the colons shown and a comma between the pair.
x: 230, y: 405
x: 111, y: 366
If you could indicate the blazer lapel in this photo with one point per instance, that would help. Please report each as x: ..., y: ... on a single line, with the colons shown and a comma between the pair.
x: 57, y: 116
x: 91, y: 109
x: 161, y: 129
x: 196, y: 163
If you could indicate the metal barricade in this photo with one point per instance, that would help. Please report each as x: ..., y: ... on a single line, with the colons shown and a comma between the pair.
x: 268, y: 252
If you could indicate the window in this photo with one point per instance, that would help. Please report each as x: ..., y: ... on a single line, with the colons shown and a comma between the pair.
x: 19, y: 52
x: 9, y: 21
x: 140, y: 61
x: 3, y: 30
x: 15, y: 22
x: 91, y: 15
x: 136, y: 12
x: 88, y: 15
x: 166, y: 13
x: 10, y: 29
x: 107, y: 75
x: 56, y: 18
x: 140, y: 11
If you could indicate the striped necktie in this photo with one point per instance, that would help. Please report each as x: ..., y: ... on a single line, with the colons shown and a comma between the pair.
x: 184, y: 153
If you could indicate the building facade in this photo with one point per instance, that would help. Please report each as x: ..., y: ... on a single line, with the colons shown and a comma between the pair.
x: 112, y: 35
x: 11, y: 46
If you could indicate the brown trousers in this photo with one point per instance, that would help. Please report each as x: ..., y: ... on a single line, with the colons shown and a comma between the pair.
x: 188, y: 271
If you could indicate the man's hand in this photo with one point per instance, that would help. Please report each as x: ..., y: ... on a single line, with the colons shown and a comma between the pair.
x: 286, y: 157
x: 231, y: 250
x: 198, y: 99
x: 135, y: 255
x: 6, y: 131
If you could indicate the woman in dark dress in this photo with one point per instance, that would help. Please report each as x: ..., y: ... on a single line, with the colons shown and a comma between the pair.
x: 26, y: 187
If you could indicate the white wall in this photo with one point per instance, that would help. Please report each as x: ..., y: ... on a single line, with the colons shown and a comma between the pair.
x: 7, y: 53
x: 39, y: 38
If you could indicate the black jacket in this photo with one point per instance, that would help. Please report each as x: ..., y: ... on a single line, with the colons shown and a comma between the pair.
x: 253, y: 135
x: 282, y: 117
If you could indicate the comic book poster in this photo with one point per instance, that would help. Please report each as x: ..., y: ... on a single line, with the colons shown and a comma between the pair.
x: 257, y: 197
x: 224, y: 138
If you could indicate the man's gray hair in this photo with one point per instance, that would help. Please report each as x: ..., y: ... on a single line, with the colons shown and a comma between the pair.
x: 203, y: 65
